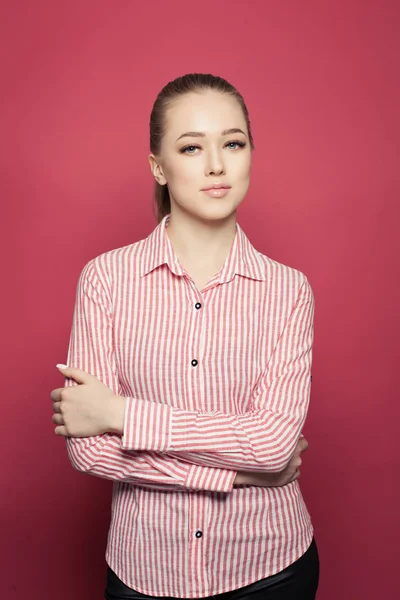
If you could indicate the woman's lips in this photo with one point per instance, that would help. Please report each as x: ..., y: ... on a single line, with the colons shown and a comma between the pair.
x: 217, y: 192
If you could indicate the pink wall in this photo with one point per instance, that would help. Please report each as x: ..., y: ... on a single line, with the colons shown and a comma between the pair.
x: 322, y: 86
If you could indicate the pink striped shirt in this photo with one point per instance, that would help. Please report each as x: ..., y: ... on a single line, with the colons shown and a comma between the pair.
x: 216, y: 380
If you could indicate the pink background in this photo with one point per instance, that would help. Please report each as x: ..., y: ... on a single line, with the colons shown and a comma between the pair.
x: 321, y: 80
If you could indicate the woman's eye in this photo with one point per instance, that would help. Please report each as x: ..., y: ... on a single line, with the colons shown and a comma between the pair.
x: 189, y: 149
x: 234, y: 145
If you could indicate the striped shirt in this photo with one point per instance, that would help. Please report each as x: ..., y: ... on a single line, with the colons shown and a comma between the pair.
x: 216, y: 381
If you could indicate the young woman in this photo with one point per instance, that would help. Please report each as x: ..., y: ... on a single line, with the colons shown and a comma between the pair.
x: 188, y: 377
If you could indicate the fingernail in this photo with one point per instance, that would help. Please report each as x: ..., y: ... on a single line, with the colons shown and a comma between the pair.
x: 60, y: 366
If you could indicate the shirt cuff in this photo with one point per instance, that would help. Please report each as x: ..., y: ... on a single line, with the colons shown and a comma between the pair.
x: 210, y: 479
x: 147, y: 425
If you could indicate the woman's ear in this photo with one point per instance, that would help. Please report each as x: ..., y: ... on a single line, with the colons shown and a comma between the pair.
x: 156, y: 169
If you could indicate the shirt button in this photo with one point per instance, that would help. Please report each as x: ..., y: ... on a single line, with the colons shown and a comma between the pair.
x: 197, y: 305
x: 199, y: 534
x: 194, y: 363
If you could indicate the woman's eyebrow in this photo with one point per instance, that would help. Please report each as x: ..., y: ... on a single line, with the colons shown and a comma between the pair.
x: 201, y: 134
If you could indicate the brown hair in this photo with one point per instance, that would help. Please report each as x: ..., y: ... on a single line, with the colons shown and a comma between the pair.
x: 192, y: 82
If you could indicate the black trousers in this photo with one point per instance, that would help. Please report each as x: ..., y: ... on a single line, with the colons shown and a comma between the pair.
x: 299, y: 581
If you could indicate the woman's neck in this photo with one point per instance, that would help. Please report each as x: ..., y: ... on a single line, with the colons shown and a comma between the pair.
x: 201, y: 244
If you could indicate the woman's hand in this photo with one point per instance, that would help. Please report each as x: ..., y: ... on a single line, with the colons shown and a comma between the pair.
x: 89, y: 408
x: 288, y: 475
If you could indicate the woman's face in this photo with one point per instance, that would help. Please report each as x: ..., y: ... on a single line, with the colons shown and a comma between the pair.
x: 200, y: 150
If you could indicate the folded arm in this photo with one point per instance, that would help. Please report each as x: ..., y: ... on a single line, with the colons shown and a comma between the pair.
x: 91, y: 349
x: 261, y: 439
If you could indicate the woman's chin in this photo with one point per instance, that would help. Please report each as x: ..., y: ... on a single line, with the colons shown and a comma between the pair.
x: 219, y: 208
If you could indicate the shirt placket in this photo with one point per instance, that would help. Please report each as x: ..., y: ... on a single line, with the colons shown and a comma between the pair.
x: 197, y: 526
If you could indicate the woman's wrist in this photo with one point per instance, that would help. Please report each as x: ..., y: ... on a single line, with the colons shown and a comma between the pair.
x: 116, y: 415
x: 241, y: 478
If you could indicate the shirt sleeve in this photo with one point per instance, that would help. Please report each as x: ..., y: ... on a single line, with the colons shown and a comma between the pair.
x: 91, y: 349
x: 261, y: 439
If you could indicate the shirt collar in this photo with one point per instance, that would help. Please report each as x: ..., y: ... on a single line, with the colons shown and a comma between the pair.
x: 243, y: 259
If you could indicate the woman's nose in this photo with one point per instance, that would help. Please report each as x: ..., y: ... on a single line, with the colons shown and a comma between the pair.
x: 215, y: 165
